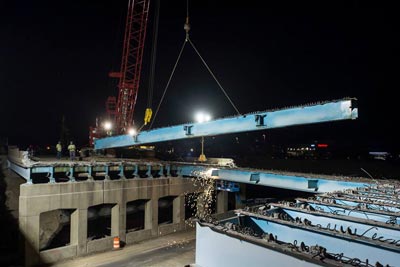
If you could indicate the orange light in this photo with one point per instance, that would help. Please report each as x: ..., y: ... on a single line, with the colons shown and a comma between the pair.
x: 322, y: 145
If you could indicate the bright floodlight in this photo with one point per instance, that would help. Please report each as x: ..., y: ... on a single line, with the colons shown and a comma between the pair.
x: 132, y: 132
x: 202, y: 117
x: 107, y: 125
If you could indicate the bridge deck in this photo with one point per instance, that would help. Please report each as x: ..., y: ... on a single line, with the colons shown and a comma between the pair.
x: 117, y: 168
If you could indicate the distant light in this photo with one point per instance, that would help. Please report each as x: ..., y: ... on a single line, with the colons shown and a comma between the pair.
x: 191, y: 150
x: 202, y: 117
x: 312, y: 145
x: 48, y: 148
x: 322, y: 145
x: 379, y: 153
x: 132, y: 132
x: 107, y: 125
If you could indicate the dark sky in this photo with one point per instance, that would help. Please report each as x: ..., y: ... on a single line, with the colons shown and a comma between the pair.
x: 55, y: 58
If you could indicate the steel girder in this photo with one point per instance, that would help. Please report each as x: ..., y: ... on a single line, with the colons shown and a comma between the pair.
x: 353, y: 226
x: 297, y: 182
x: 324, y: 112
x: 354, y: 211
x: 361, y: 247
x: 292, y: 181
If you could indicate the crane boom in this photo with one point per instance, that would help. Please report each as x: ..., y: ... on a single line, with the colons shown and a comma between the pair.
x: 120, y: 110
x: 131, y: 63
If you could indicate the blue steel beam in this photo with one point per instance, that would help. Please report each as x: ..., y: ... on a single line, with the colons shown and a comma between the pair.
x: 21, y: 171
x: 374, y: 199
x: 376, y: 194
x: 367, y: 228
x: 265, y: 178
x: 329, y: 111
x: 315, y: 184
x: 355, y: 212
x: 362, y: 248
x: 355, y: 203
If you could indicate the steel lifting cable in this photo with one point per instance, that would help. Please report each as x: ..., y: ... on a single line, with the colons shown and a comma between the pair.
x: 169, y: 81
x: 187, y: 28
x: 187, y: 39
x: 212, y: 74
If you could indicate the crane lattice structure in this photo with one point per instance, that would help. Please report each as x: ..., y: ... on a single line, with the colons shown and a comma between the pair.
x: 121, y: 109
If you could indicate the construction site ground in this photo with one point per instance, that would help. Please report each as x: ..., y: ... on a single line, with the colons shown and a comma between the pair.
x: 177, y: 249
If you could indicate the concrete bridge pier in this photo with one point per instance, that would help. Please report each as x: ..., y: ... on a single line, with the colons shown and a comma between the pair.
x: 222, y: 202
x: 240, y: 197
x: 178, y: 214
x: 29, y: 226
x: 79, y: 230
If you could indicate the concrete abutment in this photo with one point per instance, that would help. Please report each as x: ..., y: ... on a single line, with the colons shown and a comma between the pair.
x: 78, y: 197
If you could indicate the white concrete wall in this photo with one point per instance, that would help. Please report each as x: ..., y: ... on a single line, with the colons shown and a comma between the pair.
x: 215, y: 250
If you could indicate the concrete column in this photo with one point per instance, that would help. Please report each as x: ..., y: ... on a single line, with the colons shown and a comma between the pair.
x: 154, y: 216
x: 30, y: 228
x: 148, y: 214
x: 240, y: 196
x: 178, y: 213
x: 115, y: 220
x: 222, y: 202
x: 79, y: 221
x: 122, y: 221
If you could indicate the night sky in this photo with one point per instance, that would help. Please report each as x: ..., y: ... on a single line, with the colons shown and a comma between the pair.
x: 55, y: 58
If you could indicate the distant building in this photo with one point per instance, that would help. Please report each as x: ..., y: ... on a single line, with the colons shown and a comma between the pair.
x: 309, y: 151
x: 379, y: 155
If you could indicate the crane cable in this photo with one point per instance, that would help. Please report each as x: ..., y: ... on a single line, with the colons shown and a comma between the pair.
x: 187, y: 39
x: 149, y: 111
x: 169, y: 81
x: 212, y: 74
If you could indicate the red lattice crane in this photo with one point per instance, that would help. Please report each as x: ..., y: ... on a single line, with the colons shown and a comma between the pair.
x: 121, y: 110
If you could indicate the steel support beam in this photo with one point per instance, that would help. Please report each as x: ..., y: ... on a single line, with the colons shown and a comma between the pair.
x: 265, y: 178
x: 21, y: 171
x: 356, y: 203
x: 333, y: 222
x: 291, y: 181
x: 329, y: 111
x: 361, y: 248
x: 355, y: 212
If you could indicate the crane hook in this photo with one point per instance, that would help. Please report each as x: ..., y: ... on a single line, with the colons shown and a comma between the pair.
x: 186, y: 27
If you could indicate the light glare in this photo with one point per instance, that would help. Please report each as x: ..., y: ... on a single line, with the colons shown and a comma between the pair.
x: 107, y: 125
x: 202, y: 117
x: 132, y: 132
